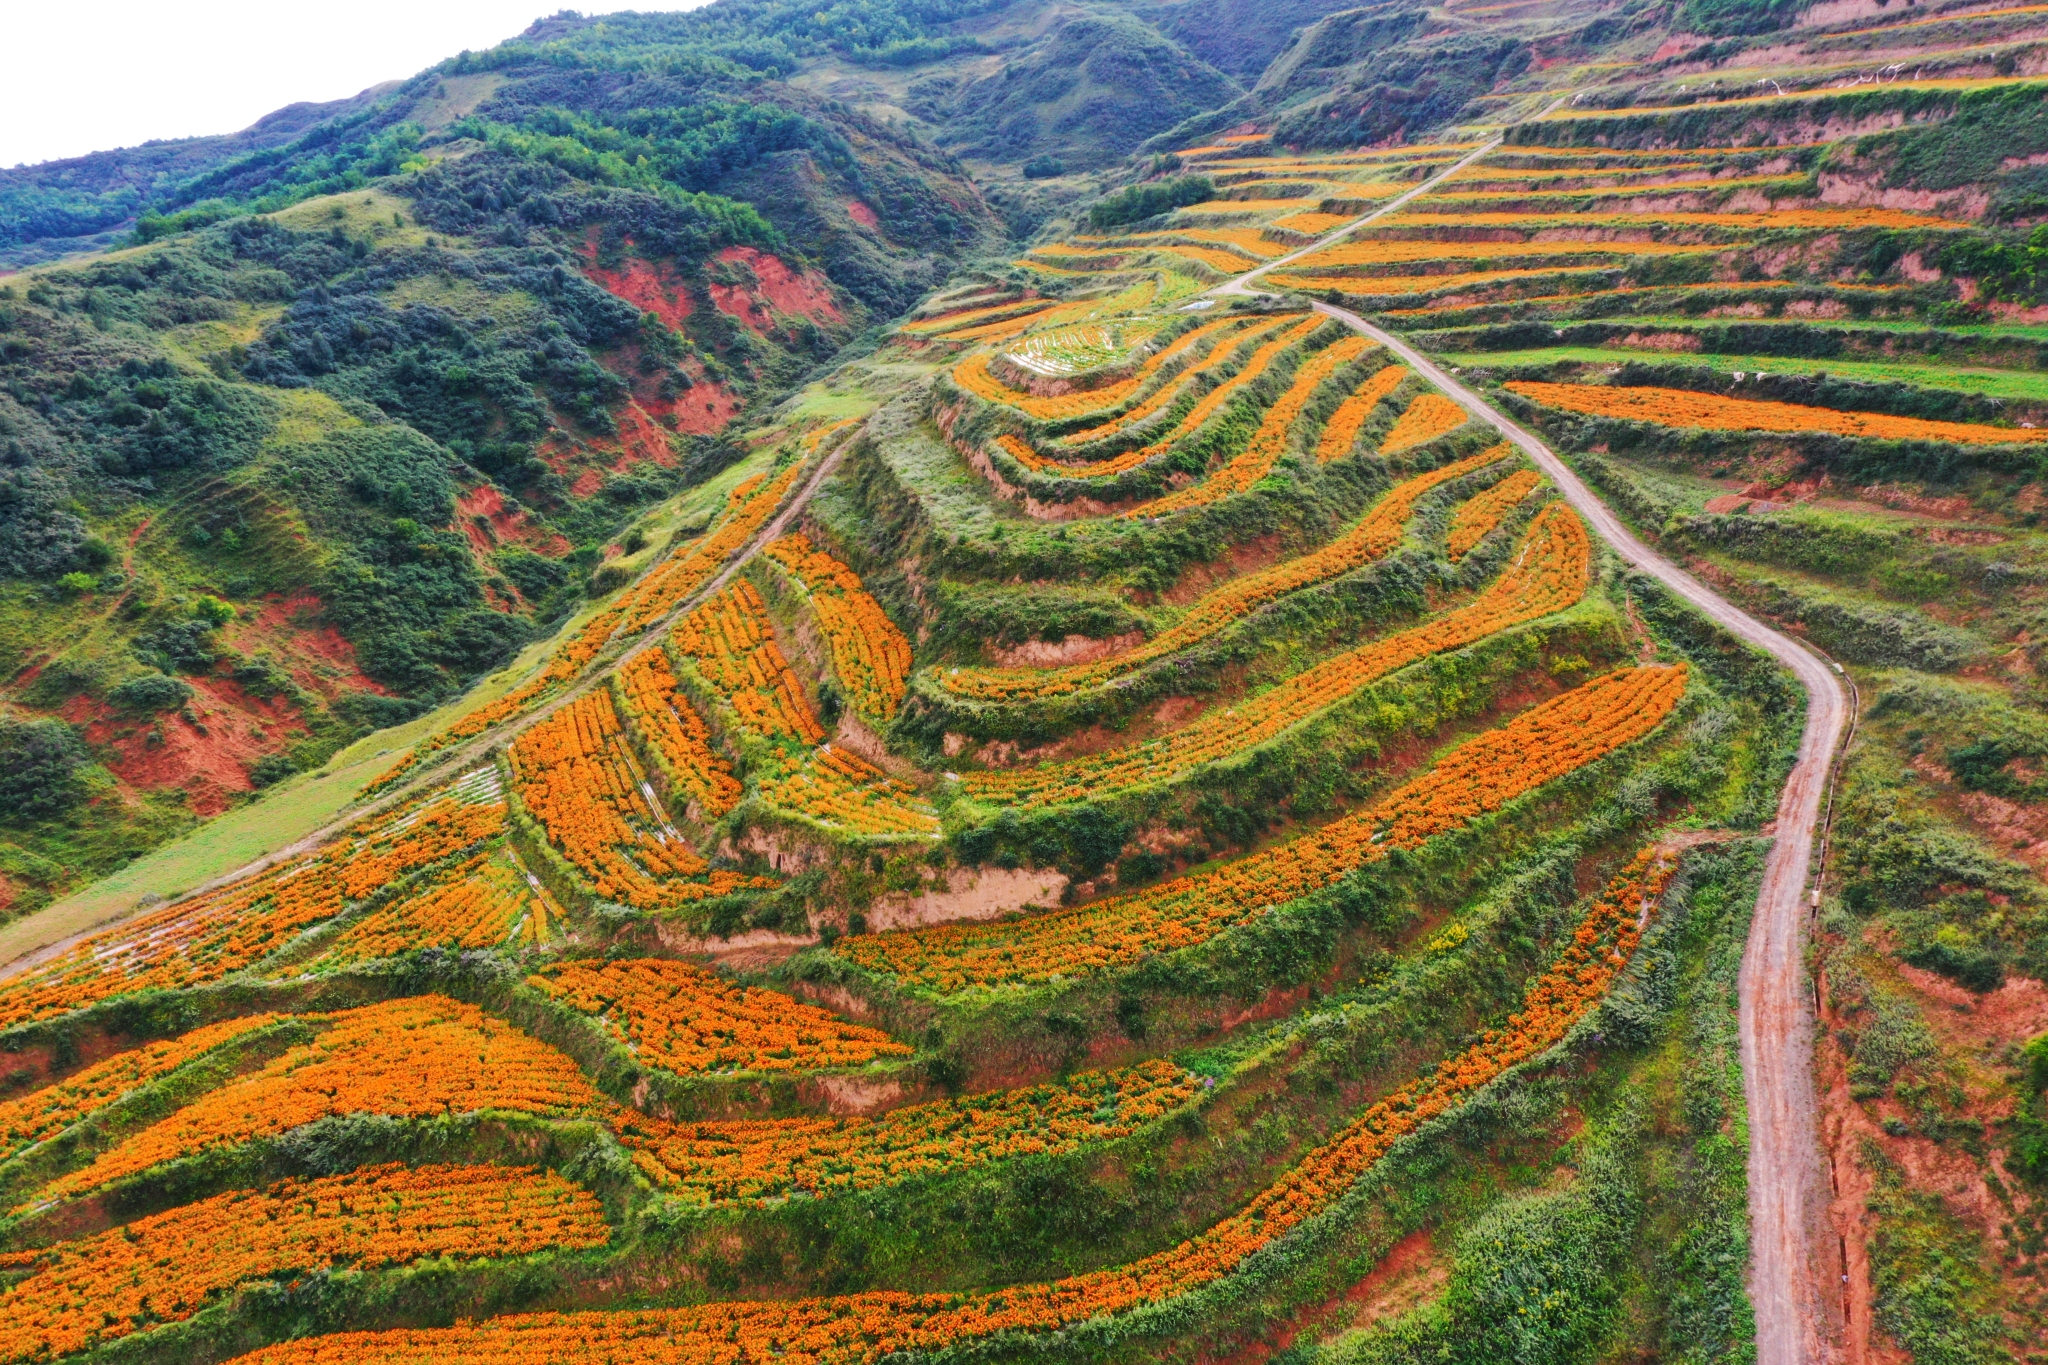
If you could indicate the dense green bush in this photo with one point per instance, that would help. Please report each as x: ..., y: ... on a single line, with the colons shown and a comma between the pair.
x: 151, y: 692
x: 1139, y: 202
x: 40, y: 763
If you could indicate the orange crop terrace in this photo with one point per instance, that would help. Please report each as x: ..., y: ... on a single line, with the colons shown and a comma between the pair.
x: 1548, y: 576
x: 1688, y: 408
x: 1481, y: 775
x: 1370, y: 537
x: 858, y: 1329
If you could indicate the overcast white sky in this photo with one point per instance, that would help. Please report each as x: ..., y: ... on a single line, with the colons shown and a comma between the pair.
x: 86, y: 75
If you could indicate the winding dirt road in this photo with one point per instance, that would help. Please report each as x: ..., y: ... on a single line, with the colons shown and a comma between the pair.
x: 1795, y: 1267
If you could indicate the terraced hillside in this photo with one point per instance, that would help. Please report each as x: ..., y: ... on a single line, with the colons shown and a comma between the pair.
x: 1121, y: 809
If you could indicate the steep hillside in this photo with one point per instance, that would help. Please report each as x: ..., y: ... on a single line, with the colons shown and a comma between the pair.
x: 869, y: 684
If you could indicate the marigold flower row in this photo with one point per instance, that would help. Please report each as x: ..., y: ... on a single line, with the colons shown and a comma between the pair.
x: 752, y: 1160
x: 870, y: 655
x: 35, y: 1117
x: 732, y: 643
x: 973, y: 375
x: 1341, y: 434
x: 1268, y: 443
x: 748, y: 508
x: 1687, y: 408
x: 227, y: 929
x: 166, y: 1267
x: 481, y: 904
x: 689, y: 1019
x: 1207, y: 407
x: 1477, y: 517
x: 843, y: 791
x: 411, y: 1058
x: 1428, y: 417
x: 580, y: 780
x: 1230, y: 344
x: 679, y: 737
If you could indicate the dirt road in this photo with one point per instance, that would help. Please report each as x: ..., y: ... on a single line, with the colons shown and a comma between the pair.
x: 1795, y: 1267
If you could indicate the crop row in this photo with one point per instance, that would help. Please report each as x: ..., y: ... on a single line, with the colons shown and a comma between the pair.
x: 1428, y: 417
x: 1477, y: 516
x: 1548, y: 575
x: 667, y: 721
x: 857, y: 1329
x: 1340, y: 434
x: 972, y: 375
x: 688, y: 1019
x: 760, y: 1159
x: 412, y: 1058
x: 480, y: 904
x: 1687, y: 408
x: 732, y: 643
x: 166, y: 1267
x: 838, y: 789
x: 1205, y: 408
x: 1167, y: 394
x: 579, y: 778
x: 870, y: 655
x: 1268, y: 443
x: 42, y: 1114
x: 1482, y: 775
x: 748, y: 508
x: 224, y: 930
x: 1376, y: 533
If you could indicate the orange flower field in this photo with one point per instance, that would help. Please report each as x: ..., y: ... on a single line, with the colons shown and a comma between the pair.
x: 1220, y: 354
x: 1378, y: 532
x: 576, y: 774
x: 1352, y: 414
x: 922, y: 742
x: 732, y: 643
x: 715, y: 1163
x: 972, y: 375
x: 946, y: 322
x: 1269, y: 442
x: 1428, y: 417
x: 41, y: 1114
x: 1205, y: 408
x: 687, y: 1019
x: 208, y: 936
x: 664, y: 717
x: 168, y: 1266
x: 869, y: 653
x: 1686, y: 408
x: 842, y: 791
x: 860, y: 1328
x: 748, y: 509
x: 1477, y: 516
x: 481, y: 904
x: 413, y: 1058
x: 1547, y: 576
x: 1480, y: 776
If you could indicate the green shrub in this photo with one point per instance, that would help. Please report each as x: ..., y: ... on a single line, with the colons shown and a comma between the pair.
x: 151, y: 693
x: 40, y: 763
x: 1139, y: 202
